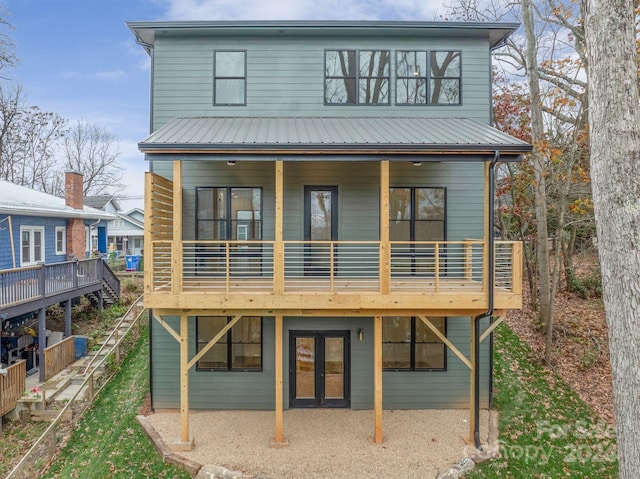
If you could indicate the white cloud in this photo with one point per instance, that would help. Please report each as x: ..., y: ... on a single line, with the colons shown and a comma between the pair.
x: 301, y: 9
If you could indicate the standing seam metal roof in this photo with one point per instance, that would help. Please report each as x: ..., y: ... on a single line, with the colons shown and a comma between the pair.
x: 328, y: 133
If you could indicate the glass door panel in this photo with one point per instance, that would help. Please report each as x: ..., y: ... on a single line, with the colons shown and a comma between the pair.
x: 305, y: 368
x: 334, y: 368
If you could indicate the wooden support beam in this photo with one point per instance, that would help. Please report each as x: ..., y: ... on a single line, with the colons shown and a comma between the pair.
x: 445, y: 340
x: 213, y: 341
x: 166, y: 326
x: 278, y: 247
x: 497, y: 322
x: 377, y: 378
x: 385, y: 252
x: 279, y: 437
x: 185, y: 443
x: 176, y: 245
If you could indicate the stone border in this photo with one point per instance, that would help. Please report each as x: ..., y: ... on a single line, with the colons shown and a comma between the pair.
x: 475, y: 456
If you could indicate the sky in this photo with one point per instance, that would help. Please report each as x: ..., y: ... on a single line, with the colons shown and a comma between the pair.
x: 77, y: 58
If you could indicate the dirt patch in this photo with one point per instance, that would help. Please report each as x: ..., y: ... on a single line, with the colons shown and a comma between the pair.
x: 581, y: 344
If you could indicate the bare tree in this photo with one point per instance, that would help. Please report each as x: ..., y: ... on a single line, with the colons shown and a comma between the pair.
x: 94, y: 152
x: 614, y: 102
x: 29, y: 138
x: 7, y: 56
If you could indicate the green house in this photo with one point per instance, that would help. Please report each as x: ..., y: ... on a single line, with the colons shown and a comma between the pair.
x: 318, y: 228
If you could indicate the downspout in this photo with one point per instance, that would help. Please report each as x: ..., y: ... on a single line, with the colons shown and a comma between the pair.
x: 489, y: 312
x: 150, y: 50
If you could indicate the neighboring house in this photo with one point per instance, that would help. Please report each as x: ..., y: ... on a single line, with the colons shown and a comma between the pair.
x: 124, y: 234
x: 37, y: 227
x: 98, y: 233
x: 318, y: 216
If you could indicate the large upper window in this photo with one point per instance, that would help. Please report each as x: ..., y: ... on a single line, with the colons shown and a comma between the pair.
x: 239, y: 349
x: 229, y: 78
x: 409, y: 344
x: 417, y: 214
x: 424, y: 77
x: 225, y: 213
x: 356, y: 77
x: 31, y: 245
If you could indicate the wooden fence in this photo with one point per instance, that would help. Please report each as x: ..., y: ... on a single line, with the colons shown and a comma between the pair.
x: 58, y: 357
x: 12, y: 386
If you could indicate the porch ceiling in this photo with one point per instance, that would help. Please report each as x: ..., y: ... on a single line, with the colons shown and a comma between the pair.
x: 330, y: 135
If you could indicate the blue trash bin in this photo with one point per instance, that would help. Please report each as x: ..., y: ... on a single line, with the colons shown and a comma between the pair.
x: 132, y: 262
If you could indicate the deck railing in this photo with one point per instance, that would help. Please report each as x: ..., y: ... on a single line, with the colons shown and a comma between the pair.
x: 12, y: 386
x: 34, y: 282
x: 334, y: 266
x: 58, y: 357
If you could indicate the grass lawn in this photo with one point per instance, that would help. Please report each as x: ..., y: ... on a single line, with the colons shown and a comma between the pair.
x: 546, y: 430
x: 109, y: 442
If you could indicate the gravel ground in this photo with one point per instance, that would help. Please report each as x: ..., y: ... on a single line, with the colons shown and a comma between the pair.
x: 326, y: 443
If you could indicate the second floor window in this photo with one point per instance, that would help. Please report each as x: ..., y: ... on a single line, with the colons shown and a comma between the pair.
x: 424, y: 77
x: 229, y: 78
x: 226, y: 213
x: 356, y: 77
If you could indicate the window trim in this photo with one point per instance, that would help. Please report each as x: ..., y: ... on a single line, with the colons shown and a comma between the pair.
x: 230, y: 344
x: 244, y: 78
x: 412, y: 342
x: 63, y: 230
x: 429, y: 77
x: 31, y: 261
x: 356, y: 78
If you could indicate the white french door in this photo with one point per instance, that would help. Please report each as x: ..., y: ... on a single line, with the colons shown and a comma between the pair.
x: 31, y: 245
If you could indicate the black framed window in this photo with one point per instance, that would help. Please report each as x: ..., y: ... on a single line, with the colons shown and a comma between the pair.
x: 228, y: 213
x: 356, y: 77
x: 240, y: 349
x: 417, y: 213
x: 229, y: 77
x: 409, y: 344
x: 428, y: 77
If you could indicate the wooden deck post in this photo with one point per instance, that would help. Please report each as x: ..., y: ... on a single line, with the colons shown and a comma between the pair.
x: 67, y: 318
x: 279, y: 439
x: 278, y: 247
x: 385, y: 253
x: 42, y: 343
x: 184, y: 442
x: 176, y: 248
x: 377, y: 378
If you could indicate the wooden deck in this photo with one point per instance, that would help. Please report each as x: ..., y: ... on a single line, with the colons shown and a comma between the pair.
x: 23, y: 290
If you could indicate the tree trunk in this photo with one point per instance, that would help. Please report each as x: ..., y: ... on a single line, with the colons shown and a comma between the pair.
x: 615, y: 173
x: 537, y: 136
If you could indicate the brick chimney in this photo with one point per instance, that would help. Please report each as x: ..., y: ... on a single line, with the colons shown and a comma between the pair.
x: 73, y: 183
x: 73, y: 195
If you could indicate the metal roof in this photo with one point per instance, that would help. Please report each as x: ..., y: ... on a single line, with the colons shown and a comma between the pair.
x: 496, y: 32
x: 20, y: 200
x: 334, y: 135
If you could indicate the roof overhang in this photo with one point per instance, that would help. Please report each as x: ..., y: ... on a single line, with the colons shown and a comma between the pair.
x: 331, y: 136
x: 146, y: 33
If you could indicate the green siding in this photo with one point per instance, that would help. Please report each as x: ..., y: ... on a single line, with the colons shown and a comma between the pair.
x: 358, y: 192
x: 287, y: 78
x: 255, y: 390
